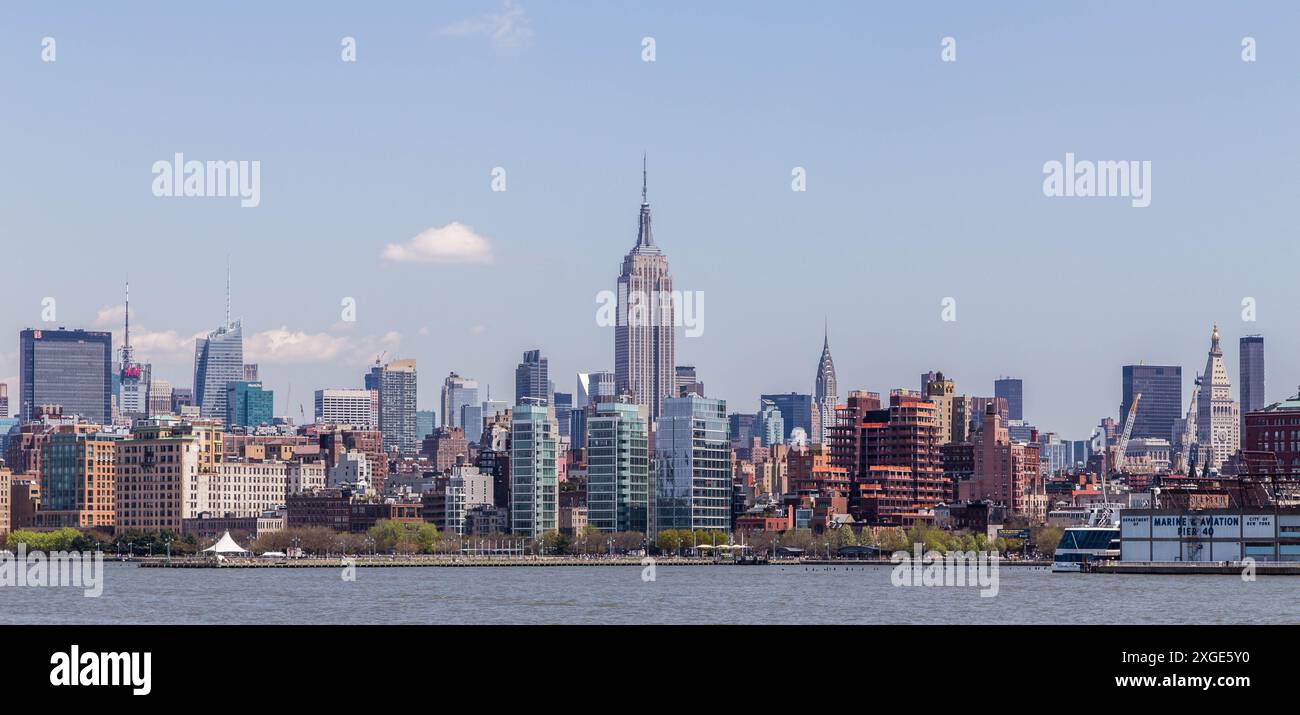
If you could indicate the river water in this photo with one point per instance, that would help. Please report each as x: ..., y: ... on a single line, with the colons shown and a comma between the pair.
x: 619, y: 595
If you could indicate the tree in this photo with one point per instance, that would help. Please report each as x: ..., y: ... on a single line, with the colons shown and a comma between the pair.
x: 1046, y: 539
x: 669, y: 541
x: 426, y: 537
x: 386, y: 535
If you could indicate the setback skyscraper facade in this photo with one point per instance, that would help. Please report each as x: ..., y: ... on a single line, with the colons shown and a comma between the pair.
x: 796, y: 411
x: 218, y: 359
x: 1161, y: 387
x: 644, y: 338
x: 533, y: 379
x: 457, y: 392
x: 71, y: 368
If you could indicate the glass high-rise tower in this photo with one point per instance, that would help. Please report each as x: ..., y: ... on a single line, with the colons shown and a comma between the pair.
x: 69, y: 368
x: 618, y: 467
x: 1251, y: 359
x: 218, y: 360
x: 692, y: 465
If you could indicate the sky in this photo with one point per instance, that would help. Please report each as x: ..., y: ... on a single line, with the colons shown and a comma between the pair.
x: 924, y: 181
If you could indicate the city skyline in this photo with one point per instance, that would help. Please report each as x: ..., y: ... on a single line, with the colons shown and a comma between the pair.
x: 949, y: 134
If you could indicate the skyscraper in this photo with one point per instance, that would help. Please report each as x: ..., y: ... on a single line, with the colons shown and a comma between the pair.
x: 796, y: 411
x: 618, y: 467
x: 396, y: 382
x: 457, y: 392
x: 1218, y: 421
x: 768, y: 425
x: 692, y: 465
x: 247, y: 404
x: 1161, y: 387
x: 949, y: 416
x: 533, y: 379
x: 1013, y: 389
x: 218, y: 359
x: 1251, y: 358
x: 343, y: 407
x: 563, y: 402
x: 644, y: 339
x: 534, y: 481
x: 133, y: 378
x: 593, y: 387
x: 825, y: 393
x: 71, y: 368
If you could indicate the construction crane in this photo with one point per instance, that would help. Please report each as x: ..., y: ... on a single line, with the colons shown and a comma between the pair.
x: 1122, y: 447
x: 1189, y: 431
x: 1104, y: 513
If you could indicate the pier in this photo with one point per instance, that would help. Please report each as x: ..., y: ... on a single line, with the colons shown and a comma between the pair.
x: 1185, y: 568
x: 369, y: 561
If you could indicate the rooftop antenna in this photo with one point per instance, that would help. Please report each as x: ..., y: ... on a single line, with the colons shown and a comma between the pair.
x: 643, y: 179
x: 128, y: 310
x: 227, y: 290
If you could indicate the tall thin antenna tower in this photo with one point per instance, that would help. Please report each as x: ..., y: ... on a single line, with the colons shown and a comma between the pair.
x: 227, y: 291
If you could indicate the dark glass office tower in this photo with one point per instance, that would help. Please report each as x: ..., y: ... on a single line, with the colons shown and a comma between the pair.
x: 796, y: 411
x: 1251, y: 358
x: 1162, y: 399
x: 1013, y: 390
x: 70, y: 368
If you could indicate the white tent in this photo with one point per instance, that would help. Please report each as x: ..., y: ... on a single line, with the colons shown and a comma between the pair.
x: 226, y: 545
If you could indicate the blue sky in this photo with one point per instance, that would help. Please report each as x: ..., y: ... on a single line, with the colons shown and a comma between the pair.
x: 924, y: 181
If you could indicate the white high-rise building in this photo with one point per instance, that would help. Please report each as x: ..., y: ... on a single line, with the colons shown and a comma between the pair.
x: 344, y: 407
x: 644, y: 340
x: 1218, y: 419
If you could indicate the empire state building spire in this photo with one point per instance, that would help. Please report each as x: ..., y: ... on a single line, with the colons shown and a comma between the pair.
x: 644, y: 341
x: 645, y: 239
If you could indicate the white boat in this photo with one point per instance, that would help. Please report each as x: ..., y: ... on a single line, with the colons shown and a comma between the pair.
x: 1098, y: 541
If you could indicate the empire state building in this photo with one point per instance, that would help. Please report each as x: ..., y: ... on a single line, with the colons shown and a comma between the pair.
x: 644, y: 342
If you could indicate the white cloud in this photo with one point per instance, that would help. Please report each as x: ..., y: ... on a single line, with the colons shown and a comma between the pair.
x: 478, y: 330
x: 284, y: 346
x: 110, y: 316
x: 509, y: 27
x: 161, y: 346
x: 453, y: 243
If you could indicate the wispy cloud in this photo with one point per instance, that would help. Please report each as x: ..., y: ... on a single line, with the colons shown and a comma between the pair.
x: 284, y: 346
x: 509, y: 27
x: 453, y: 243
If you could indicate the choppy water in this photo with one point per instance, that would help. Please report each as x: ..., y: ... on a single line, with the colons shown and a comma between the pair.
x: 618, y: 595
